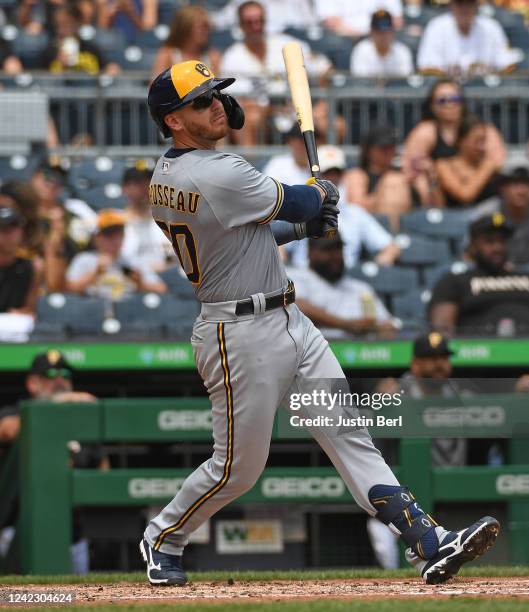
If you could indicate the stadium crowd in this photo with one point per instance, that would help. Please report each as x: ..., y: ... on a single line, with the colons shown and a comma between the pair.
x: 433, y: 225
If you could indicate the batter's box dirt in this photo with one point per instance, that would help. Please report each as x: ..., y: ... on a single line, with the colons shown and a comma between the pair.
x: 255, y: 591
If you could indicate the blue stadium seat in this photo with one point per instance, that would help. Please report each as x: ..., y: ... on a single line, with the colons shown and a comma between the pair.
x: 105, y: 196
x: 29, y: 47
x: 17, y: 167
x: 418, y: 250
x: 149, y: 39
x: 72, y: 314
x: 386, y: 280
x: 384, y: 222
x: 435, y: 273
x: 137, y: 58
x: 412, y: 305
x: 111, y: 43
x: 178, y: 285
x: 90, y: 172
x: 154, y: 314
x: 221, y: 39
x: 448, y: 225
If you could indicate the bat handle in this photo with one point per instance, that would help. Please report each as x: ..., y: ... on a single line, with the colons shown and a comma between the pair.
x: 328, y: 231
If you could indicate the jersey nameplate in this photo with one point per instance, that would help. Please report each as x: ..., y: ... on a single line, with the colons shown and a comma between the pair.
x: 176, y: 199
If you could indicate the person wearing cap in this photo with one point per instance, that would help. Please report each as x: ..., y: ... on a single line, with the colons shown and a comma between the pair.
x: 380, y: 55
x: 513, y: 202
x: 377, y: 184
x: 20, y: 279
x: 352, y: 18
x: 104, y: 272
x: 358, y: 228
x: 255, y: 61
x: 338, y: 305
x: 143, y: 243
x: 489, y: 298
x: 465, y: 41
x: 50, y: 379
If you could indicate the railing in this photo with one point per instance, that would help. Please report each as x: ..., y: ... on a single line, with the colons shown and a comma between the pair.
x: 113, y: 111
x: 49, y: 488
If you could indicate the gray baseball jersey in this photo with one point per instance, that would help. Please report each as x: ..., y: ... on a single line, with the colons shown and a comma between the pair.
x: 215, y: 208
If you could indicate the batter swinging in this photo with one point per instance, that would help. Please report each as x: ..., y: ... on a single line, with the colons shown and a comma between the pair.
x: 252, y: 345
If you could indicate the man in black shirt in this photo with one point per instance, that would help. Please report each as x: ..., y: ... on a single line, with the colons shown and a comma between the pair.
x: 489, y: 298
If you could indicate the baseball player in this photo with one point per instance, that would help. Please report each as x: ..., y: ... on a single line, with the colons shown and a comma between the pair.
x: 252, y: 345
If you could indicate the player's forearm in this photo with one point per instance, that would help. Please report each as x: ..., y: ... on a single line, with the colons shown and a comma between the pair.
x: 300, y: 203
x: 285, y: 232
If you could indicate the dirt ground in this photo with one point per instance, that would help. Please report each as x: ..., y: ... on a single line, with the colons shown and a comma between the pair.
x: 223, y: 592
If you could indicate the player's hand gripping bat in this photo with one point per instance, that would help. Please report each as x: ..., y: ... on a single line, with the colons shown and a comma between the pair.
x: 300, y: 92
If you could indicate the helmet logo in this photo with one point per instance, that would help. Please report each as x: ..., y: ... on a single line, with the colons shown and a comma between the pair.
x: 203, y: 69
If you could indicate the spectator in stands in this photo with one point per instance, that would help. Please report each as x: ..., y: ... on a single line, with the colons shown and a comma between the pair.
x: 128, y: 16
x: 19, y: 279
x: 469, y: 177
x: 104, y: 272
x: 256, y: 62
x: 488, y: 298
x: 281, y: 15
x: 50, y: 379
x: 377, y: 185
x: 340, y: 306
x: 434, y: 137
x: 380, y: 55
x: 360, y: 231
x: 67, y: 223
x: 292, y: 167
x: 348, y: 18
x: 22, y: 198
x: 463, y: 42
x: 188, y: 39
x: 68, y: 51
x: 9, y: 63
x: 513, y: 202
x: 144, y: 242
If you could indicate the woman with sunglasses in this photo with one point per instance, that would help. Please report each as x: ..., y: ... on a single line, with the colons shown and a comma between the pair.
x: 434, y: 137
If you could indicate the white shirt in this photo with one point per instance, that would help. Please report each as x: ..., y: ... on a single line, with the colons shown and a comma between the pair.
x: 254, y: 75
x: 357, y: 228
x: 341, y: 299
x: 356, y: 14
x: 444, y: 47
x: 144, y: 242
x: 366, y: 62
x: 280, y: 15
x: 285, y: 170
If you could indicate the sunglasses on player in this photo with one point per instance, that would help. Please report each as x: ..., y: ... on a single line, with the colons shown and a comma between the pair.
x: 205, y: 100
x: 57, y: 372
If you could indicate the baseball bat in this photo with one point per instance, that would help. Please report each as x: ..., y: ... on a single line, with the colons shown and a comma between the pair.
x: 298, y: 83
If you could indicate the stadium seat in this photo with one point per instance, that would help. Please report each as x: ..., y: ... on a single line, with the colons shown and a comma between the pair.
x: 177, y: 284
x: 386, y: 280
x: 419, y: 250
x: 150, y: 39
x: 71, y: 314
x: 136, y: 58
x: 435, y: 273
x: 17, y: 167
x: 411, y: 306
x: 102, y: 170
x: 105, y: 196
x: 384, y: 222
x: 111, y: 43
x: 221, y: 39
x: 154, y: 314
x: 448, y: 225
x: 29, y: 47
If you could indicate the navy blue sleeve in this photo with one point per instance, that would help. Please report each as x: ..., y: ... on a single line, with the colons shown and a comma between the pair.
x: 300, y: 203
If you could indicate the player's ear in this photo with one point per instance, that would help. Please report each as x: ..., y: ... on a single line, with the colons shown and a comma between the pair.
x: 173, y: 122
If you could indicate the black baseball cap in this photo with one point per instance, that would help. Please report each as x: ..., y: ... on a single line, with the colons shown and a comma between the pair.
x: 380, y: 136
x: 514, y: 174
x: 491, y: 223
x: 10, y: 217
x: 136, y: 175
x: 382, y: 21
x: 324, y: 244
x: 432, y: 345
x: 51, y: 361
x: 53, y: 172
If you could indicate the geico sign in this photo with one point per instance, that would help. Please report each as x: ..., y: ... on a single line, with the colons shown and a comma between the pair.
x: 330, y: 486
x: 140, y: 488
x: 471, y: 416
x: 513, y: 484
x: 174, y: 420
